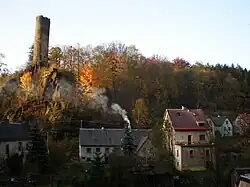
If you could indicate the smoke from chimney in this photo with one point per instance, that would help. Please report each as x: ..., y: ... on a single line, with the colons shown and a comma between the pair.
x: 99, y: 100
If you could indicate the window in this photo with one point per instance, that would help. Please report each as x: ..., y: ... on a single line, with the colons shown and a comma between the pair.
x: 189, y: 139
x: 191, y: 153
x: 7, y: 149
x: 177, y: 164
x: 177, y: 153
x: 107, y: 150
x: 88, y: 150
x: 229, y: 129
x: 20, y: 145
x: 225, y: 128
x: 98, y: 149
x: 201, y: 124
x: 226, y: 122
x: 207, y: 153
x: 88, y: 159
x: 202, y: 137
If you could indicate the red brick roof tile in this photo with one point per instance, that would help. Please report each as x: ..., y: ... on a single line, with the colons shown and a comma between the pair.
x: 184, y: 119
x: 245, y: 117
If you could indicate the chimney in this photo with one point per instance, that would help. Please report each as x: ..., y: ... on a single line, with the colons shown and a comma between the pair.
x: 41, y: 44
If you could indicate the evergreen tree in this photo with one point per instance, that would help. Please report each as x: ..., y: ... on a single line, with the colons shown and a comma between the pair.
x: 37, y: 150
x: 128, y: 143
x: 97, y: 170
x: 15, y: 164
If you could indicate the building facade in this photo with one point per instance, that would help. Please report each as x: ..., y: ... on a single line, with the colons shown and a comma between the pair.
x: 13, y: 139
x: 222, y: 125
x: 106, y: 141
x: 189, y: 138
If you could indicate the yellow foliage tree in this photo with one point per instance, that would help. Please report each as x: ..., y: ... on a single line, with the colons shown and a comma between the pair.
x: 86, y: 77
x: 140, y: 113
x: 26, y: 86
x: 25, y: 81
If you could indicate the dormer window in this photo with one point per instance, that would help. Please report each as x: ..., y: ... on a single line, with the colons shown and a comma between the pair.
x: 201, y: 124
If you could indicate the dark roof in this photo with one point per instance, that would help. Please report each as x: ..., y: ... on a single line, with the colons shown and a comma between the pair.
x: 108, y: 137
x: 242, y: 171
x: 184, y: 119
x: 99, y: 124
x: 13, y: 131
x: 245, y: 178
x: 142, y: 142
x: 218, y: 121
x: 237, y: 174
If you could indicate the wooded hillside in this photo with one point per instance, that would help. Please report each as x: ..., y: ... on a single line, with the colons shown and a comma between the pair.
x: 144, y: 87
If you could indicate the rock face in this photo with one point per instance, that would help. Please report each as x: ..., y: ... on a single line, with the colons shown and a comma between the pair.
x: 64, y: 90
x: 10, y: 86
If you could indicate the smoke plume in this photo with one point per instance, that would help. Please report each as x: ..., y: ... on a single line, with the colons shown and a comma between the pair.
x: 116, y: 109
x: 99, y: 100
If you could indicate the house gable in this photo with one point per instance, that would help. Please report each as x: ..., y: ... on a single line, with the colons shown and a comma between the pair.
x: 227, y: 128
x: 145, y: 148
x: 219, y: 120
x: 106, y: 141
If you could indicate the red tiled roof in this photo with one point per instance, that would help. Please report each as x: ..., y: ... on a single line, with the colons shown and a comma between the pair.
x: 245, y: 117
x: 187, y: 119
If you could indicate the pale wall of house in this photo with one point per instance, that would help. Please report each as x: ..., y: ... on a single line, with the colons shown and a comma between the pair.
x: 198, y: 159
x: 244, y: 184
x: 147, y: 150
x: 182, y: 137
x: 227, y: 128
x: 178, y: 156
x: 86, y: 155
x: 13, y: 148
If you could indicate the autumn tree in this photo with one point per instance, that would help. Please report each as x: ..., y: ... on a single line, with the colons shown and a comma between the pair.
x: 109, y: 69
x: 55, y: 56
x: 180, y: 63
x: 140, y: 113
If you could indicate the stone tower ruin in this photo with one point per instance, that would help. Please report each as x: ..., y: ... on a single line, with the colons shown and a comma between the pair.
x: 41, y: 43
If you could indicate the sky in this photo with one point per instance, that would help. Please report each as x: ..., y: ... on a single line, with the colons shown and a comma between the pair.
x: 214, y: 31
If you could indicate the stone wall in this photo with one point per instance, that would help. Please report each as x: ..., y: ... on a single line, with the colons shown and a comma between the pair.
x: 41, y: 44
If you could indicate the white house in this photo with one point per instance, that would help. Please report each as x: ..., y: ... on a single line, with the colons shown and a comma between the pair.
x: 105, y: 141
x: 222, y: 124
x: 13, y: 139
